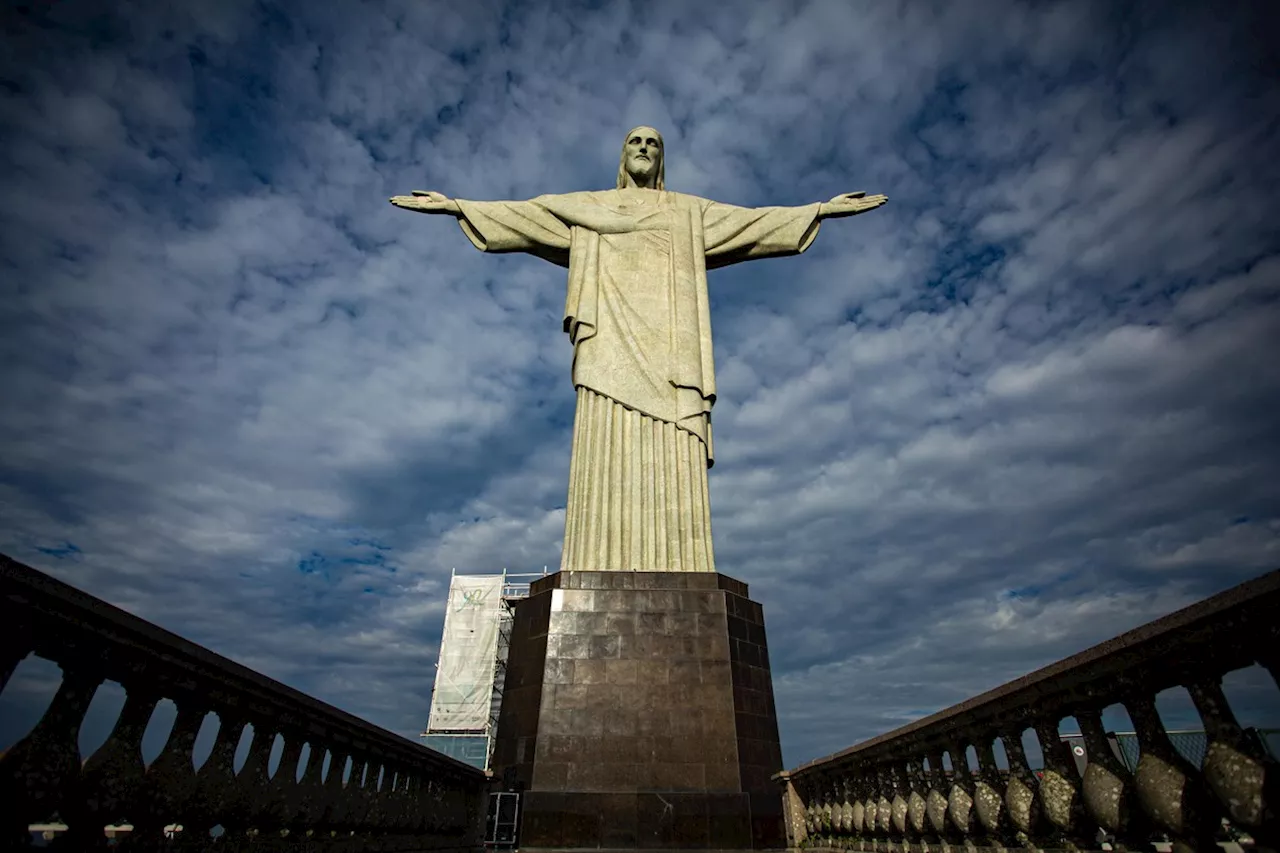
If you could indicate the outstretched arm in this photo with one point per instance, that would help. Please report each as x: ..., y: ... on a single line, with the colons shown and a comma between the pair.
x: 425, y: 201
x: 735, y: 234
x: 499, y: 226
x: 848, y: 204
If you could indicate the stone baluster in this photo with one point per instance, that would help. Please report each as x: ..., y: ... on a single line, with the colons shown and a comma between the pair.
x: 462, y: 794
x: 869, y: 798
x: 385, y: 812
x: 1021, y: 797
x: 387, y: 798
x: 305, y: 802
x: 333, y: 808
x: 112, y: 779
x: 846, y: 794
x: 829, y: 810
x: 988, y: 799
x: 895, y: 777
x: 857, y: 808
x: 217, y: 800
x: 475, y: 810
x: 870, y: 807
x: 396, y: 809
x: 960, y: 796
x: 421, y: 810
x: 253, y: 778
x: 869, y: 794
x: 438, y: 803
x: 283, y: 789
x: 916, y: 804
x: 351, y: 809
x: 454, y: 803
x: 835, y: 785
x: 804, y: 787
x: 361, y: 805
x: 436, y: 786
x: 413, y: 795
x: 169, y: 786
x: 425, y: 803
x: 444, y: 795
x: 403, y: 803
x: 845, y: 787
x: 378, y: 816
x: 280, y: 800
x: 844, y: 820
x: 821, y: 806
x: 884, y: 802
x: 936, y: 800
x: 850, y: 823
x: 432, y: 800
x: 358, y: 799
x: 822, y: 812
x: 1169, y: 788
x: 1108, y: 787
x: 401, y: 816
x: 1235, y: 768
x: 413, y: 800
x: 1059, y: 786
x: 893, y: 800
x: 369, y: 797
x: 40, y: 775
x: 380, y: 782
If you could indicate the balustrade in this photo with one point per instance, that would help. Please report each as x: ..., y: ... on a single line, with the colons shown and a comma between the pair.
x: 398, y: 796
x: 902, y: 797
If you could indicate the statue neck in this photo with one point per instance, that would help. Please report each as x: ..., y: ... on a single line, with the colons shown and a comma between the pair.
x: 632, y: 184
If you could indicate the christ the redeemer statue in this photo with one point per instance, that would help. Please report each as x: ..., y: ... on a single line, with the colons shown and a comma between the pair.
x: 638, y: 319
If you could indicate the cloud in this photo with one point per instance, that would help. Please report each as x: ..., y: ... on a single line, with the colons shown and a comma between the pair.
x: 1027, y: 405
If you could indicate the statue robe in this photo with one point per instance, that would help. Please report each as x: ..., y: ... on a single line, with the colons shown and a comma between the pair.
x: 638, y: 318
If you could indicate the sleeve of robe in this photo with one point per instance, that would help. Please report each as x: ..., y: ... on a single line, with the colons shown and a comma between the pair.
x: 515, y: 226
x: 735, y: 234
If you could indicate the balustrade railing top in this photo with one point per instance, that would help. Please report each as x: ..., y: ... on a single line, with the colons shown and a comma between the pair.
x: 406, y: 795
x: 894, y: 788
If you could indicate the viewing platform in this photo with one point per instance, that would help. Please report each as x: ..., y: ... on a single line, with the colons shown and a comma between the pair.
x: 898, y: 792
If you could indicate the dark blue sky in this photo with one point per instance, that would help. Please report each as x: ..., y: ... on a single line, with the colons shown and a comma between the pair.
x: 1028, y: 405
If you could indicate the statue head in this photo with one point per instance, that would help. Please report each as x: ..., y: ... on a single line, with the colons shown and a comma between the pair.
x: 642, y: 164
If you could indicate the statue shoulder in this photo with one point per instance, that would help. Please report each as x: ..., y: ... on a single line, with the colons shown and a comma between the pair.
x: 610, y: 198
x: 579, y: 196
x: 687, y: 200
x: 567, y: 202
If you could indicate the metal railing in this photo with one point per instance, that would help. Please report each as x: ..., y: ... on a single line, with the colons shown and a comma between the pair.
x: 398, y: 795
x: 894, y: 792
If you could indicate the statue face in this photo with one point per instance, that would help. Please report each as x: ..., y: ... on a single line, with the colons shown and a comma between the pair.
x: 643, y: 155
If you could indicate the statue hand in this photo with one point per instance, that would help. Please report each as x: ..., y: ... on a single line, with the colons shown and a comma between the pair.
x: 847, y: 204
x: 424, y: 201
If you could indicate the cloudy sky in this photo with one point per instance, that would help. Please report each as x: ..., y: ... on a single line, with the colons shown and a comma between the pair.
x: 1030, y: 404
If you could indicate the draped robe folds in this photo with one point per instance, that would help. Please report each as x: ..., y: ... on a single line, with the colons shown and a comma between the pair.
x: 638, y: 318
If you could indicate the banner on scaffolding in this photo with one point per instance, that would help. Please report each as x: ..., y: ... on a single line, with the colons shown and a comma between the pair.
x: 468, y: 651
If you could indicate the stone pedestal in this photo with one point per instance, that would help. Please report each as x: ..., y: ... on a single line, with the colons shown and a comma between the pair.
x: 638, y: 712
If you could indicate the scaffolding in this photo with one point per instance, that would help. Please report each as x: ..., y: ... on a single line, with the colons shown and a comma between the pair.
x: 474, y: 645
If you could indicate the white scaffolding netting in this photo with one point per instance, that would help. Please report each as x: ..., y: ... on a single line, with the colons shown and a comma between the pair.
x: 468, y: 650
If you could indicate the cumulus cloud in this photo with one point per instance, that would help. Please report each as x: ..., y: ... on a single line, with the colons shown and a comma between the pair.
x: 1026, y: 406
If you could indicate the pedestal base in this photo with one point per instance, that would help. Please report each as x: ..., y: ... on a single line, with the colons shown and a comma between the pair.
x: 638, y: 712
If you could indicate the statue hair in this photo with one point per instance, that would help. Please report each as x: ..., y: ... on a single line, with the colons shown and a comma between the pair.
x: 661, y: 183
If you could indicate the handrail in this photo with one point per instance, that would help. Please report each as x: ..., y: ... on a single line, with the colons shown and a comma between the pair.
x: 893, y: 787
x: 397, y: 789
